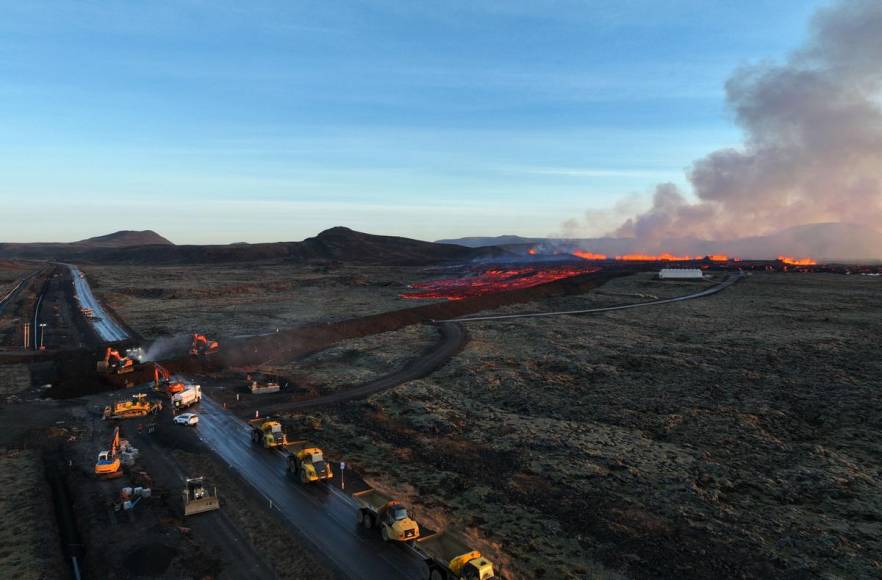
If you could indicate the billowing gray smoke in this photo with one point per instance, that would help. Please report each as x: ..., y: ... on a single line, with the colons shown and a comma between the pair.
x: 813, y: 141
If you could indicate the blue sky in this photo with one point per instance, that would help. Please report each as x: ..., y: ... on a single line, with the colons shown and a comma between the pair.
x: 221, y: 121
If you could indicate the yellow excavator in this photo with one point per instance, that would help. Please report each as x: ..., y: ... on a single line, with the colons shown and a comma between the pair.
x: 137, y: 406
x: 109, y: 465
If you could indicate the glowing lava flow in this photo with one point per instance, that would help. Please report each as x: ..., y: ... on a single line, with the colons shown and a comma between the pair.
x: 492, y: 281
x: 589, y: 255
x: 790, y: 261
x: 718, y: 258
x: 665, y: 257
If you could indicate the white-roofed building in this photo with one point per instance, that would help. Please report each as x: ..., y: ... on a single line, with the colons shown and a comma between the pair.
x: 680, y: 274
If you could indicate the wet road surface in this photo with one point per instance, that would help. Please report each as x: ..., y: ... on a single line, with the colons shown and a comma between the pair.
x: 325, y: 516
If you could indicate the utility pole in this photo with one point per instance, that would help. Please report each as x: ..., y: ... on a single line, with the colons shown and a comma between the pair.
x: 42, y: 333
x: 27, y: 335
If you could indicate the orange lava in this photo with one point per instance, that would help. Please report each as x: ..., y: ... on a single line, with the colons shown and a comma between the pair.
x: 664, y: 257
x: 492, y: 281
x: 589, y: 255
x: 718, y: 258
x: 791, y: 261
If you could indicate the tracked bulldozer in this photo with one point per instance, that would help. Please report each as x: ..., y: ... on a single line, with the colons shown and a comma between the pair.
x: 197, y: 498
x: 138, y: 406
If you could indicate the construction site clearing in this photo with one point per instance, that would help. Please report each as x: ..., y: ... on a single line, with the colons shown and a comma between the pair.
x: 654, y: 486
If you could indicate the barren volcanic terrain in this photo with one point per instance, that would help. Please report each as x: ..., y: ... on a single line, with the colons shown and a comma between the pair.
x: 728, y: 436
x: 246, y: 299
x: 735, y: 435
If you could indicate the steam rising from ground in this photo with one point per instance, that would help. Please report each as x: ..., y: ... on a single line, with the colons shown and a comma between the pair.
x: 167, y: 347
x: 813, y: 141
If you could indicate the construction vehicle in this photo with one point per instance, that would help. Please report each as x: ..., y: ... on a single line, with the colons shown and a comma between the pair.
x: 163, y: 383
x: 137, y: 406
x: 376, y: 509
x: 257, y: 388
x: 197, y: 498
x: 191, y: 395
x: 307, y: 462
x: 202, y: 346
x: 109, y: 465
x: 136, y: 353
x: 449, y: 558
x: 115, y: 363
x: 268, y: 433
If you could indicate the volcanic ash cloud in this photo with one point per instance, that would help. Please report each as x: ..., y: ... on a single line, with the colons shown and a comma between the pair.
x: 812, y: 147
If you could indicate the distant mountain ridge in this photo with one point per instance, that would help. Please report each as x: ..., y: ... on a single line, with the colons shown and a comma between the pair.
x: 335, y: 244
x: 484, y: 241
x: 823, y: 241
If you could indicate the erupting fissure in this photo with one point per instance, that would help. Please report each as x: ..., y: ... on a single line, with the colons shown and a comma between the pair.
x: 791, y: 261
x: 492, y: 281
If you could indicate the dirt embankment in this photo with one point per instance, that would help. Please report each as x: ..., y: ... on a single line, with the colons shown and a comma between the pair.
x: 76, y: 374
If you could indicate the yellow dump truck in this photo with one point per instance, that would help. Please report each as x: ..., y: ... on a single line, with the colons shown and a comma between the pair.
x: 267, y: 433
x: 377, y: 510
x: 197, y: 498
x: 307, y: 462
x: 137, y: 406
x: 449, y: 558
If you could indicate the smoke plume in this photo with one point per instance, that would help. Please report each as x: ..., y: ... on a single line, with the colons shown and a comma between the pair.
x: 812, y: 147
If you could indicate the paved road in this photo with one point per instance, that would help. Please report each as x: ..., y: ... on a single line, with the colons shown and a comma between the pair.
x: 323, y: 515
x: 107, y: 328
x: 453, y: 338
x: 728, y: 281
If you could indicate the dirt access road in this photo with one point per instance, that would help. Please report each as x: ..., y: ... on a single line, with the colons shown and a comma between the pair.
x: 452, y: 338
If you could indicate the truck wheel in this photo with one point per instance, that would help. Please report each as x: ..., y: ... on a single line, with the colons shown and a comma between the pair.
x: 303, y: 478
x: 384, y: 533
x: 368, y: 521
x: 360, y: 517
x: 435, y: 574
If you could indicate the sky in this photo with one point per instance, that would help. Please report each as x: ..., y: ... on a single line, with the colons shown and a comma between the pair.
x: 222, y: 121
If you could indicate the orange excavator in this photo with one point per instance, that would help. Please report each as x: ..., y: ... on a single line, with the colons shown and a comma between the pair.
x: 115, y: 363
x: 203, y: 346
x: 109, y: 465
x: 162, y: 381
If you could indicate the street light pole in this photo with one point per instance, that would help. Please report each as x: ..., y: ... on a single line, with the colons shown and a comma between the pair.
x: 27, y: 335
x: 42, y: 333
